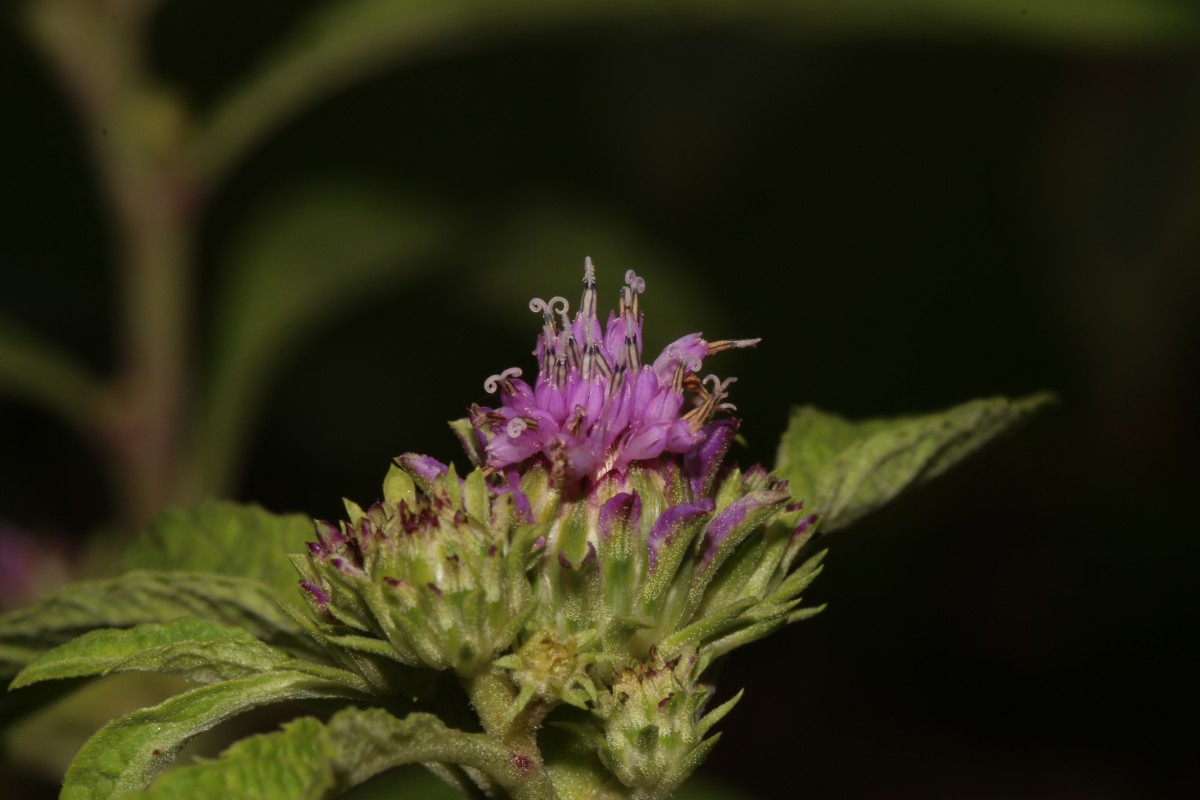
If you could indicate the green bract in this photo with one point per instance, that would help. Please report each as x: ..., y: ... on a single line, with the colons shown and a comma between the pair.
x: 428, y: 573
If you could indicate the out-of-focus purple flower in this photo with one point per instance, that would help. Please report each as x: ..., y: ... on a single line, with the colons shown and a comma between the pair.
x: 596, y: 406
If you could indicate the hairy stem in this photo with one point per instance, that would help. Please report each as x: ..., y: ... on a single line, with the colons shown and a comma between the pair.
x: 491, y: 694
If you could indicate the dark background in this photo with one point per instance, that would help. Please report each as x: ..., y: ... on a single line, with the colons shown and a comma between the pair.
x: 907, y: 220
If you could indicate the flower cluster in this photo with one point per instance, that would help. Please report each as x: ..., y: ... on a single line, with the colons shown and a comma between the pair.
x: 595, y: 406
x: 599, y: 555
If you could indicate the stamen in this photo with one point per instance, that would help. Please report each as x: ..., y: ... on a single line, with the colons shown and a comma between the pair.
x: 631, y: 353
x: 600, y: 362
x: 587, y: 303
x: 710, y: 398
x: 516, y: 426
x: 587, y: 361
x: 560, y: 371
x: 637, y: 285
x: 555, y: 305
x: 634, y: 282
x: 548, y: 308
x: 731, y: 344
x: 494, y: 382
x: 617, y: 381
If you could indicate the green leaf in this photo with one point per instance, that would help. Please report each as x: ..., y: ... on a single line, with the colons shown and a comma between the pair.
x: 294, y: 764
x: 309, y: 760
x: 843, y: 469
x: 225, y: 538
x: 141, y: 597
x: 198, y: 650
x: 307, y: 259
x: 125, y: 755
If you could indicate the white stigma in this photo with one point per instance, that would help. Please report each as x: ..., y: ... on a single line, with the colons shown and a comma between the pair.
x: 638, y: 285
x: 516, y: 426
x: 492, y: 384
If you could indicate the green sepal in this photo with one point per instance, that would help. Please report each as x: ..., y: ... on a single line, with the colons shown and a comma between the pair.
x: 730, y: 489
x: 744, y: 516
x: 398, y: 488
x: 670, y: 571
x: 448, y: 483
x: 465, y: 431
x: 354, y: 511
x: 475, y: 498
x: 749, y: 570
x: 717, y: 714
x: 706, y: 628
x: 799, y: 580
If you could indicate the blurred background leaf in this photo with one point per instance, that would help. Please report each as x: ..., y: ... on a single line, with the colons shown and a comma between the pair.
x: 302, y: 262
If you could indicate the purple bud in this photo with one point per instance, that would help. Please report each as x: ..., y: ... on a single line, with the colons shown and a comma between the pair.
x: 343, y: 566
x: 623, y: 509
x: 732, y: 518
x: 315, y: 594
x: 701, y: 463
x: 803, y: 526
x: 673, y: 520
x: 420, y: 466
x: 328, y: 535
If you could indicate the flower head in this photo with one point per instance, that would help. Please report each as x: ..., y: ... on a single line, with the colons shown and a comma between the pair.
x: 596, y: 406
x: 600, y: 555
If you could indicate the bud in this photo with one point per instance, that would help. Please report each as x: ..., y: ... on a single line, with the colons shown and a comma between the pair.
x: 654, y: 725
x: 423, y: 570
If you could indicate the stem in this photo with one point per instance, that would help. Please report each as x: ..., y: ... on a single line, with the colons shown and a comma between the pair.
x: 491, y: 694
x: 139, y: 139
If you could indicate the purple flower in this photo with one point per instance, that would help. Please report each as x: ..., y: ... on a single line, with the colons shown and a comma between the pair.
x: 596, y: 406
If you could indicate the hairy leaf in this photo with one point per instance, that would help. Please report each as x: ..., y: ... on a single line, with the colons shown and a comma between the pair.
x: 309, y: 760
x: 294, y: 764
x: 843, y: 469
x: 198, y: 650
x: 226, y: 538
x: 140, y: 597
x: 125, y: 755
